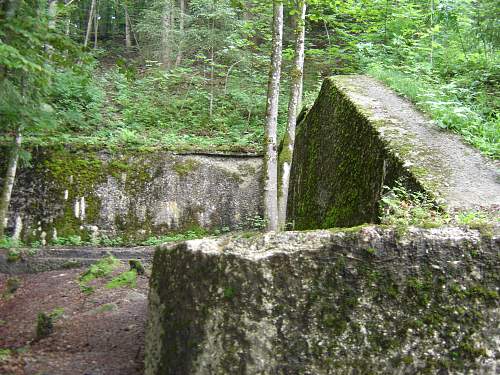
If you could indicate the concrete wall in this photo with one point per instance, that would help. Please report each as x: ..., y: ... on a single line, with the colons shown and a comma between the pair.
x: 358, y: 137
x: 132, y: 195
x: 363, y: 301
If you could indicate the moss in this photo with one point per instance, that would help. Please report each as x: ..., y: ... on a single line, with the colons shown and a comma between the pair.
x: 184, y: 167
x: 44, y: 326
x: 102, y: 268
x: 136, y: 265
x: 126, y: 279
x: 341, y: 162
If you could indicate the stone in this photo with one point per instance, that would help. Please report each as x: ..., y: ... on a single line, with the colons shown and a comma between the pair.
x: 364, y: 300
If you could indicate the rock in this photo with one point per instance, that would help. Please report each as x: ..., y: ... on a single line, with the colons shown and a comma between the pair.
x: 319, y: 302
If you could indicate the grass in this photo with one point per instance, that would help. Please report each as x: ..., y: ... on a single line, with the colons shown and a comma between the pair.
x: 125, y: 279
x: 444, y: 104
x: 102, y: 268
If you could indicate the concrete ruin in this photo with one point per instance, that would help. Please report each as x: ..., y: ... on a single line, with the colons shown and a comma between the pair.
x: 132, y: 195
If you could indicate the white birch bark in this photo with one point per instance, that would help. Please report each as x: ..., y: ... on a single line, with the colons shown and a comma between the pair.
x: 89, y: 23
x: 10, y: 178
x: 270, y: 156
x: 294, y: 104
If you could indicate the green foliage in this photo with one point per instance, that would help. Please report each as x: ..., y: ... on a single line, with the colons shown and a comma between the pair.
x: 5, y: 354
x: 447, y: 104
x: 70, y: 240
x: 126, y: 279
x: 189, y: 235
x: 402, y: 208
x: 102, y: 268
x: 10, y: 243
x: 136, y: 265
x: 44, y: 325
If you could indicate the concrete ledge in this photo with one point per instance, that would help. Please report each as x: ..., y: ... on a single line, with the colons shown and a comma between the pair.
x: 366, y: 300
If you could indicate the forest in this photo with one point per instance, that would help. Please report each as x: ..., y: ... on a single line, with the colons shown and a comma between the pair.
x: 192, y: 75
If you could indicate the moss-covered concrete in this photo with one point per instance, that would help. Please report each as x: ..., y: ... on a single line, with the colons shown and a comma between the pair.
x: 358, y: 137
x: 327, y: 302
x: 132, y: 195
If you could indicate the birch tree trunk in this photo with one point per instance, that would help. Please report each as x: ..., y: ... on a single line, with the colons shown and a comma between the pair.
x: 270, y: 157
x: 294, y: 104
x: 128, y: 40
x: 89, y: 24
x: 10, y: 178
x: 96, y: 25
x: 182, y: 11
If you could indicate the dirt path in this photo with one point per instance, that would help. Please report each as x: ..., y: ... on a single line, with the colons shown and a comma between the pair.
x: 97, y: 334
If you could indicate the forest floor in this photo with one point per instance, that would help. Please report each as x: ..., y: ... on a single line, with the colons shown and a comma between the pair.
x: 101, y: 333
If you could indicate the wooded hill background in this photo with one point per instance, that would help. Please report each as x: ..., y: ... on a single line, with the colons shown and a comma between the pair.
x: 192, y: 74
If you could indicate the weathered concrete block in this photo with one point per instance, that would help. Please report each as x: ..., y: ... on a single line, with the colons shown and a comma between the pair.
x: 132, y: 194
x: 359, y: 136
x: 324, y: 302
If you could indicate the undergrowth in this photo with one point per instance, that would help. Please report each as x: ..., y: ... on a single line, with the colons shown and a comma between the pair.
x: 100, y: 269
x: 450, y: 105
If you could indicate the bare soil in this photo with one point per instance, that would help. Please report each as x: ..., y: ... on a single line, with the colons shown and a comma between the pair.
x: 101, y: 333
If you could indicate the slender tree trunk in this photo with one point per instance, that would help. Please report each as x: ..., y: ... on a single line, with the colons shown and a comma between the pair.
x: 166, y: 48
x: 128, y: 40
x: 212, y: 83
x: 89, y: 24
x: 96, y: 25
x: 182, y: 5
x: 10, y: 178
x: 432, y: 34
x: 51, y: 13
x: 270, y: 157
x: 294, y: 105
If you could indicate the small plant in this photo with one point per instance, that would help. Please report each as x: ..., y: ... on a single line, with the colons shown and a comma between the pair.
x: 136, y: 265
x: 44, y: 325
x: 125, y: 279
x: 102, y: 268
x: 402, y: 208
x: 13, y: 256
x: 256, y: 222
x: 12, y: 285
x: 36, y: 244
x: 5, y: 354
x: 68, y: 241
x: 56, y: 313
x: 10, y: 243
x: 109, y: 242
x: 472, y: 219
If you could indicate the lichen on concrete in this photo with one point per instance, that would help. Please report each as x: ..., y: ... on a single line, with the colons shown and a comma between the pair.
x: 327, y: 302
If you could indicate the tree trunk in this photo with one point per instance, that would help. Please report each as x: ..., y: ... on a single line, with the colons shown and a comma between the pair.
x: 128, y: 40
x: 270, y: 157
x: 166, y: 50
x: 51, y: 15
x: 10, y: 177
x: 96, y: 25
x: 89, y: 24
x: 294, y: 105
x: 182, y: 5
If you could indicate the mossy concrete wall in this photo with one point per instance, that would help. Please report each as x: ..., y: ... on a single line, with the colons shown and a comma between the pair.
x: 133, y: 195
x: 360, y: 136
x: 366, y: 301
